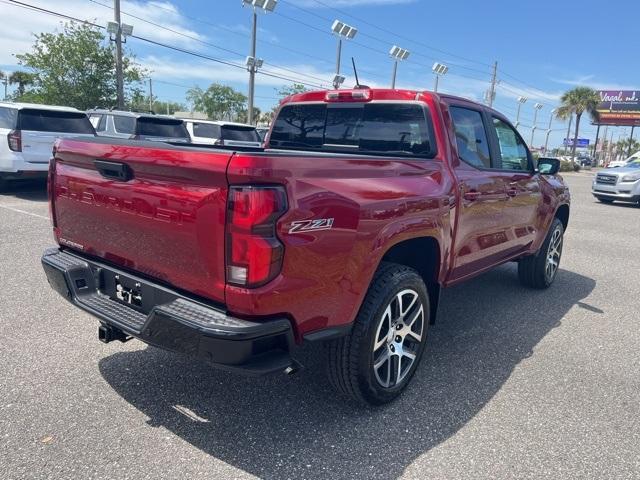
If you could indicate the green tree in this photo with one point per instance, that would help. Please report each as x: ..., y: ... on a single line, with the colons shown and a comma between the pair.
x: 292, y: 89
x: 76, y: 67
x: 578, y: 101
x: 22, y: 79
x: 140, y: 103
x: 219, y: 102
x: 627, y: 146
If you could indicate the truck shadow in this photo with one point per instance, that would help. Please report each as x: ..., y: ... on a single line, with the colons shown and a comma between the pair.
x: 33, y: 190
x: 279, y: 427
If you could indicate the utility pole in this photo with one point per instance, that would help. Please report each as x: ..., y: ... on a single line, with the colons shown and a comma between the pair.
x: 630, y: 141
x: 492, y: 89
x: 150, y: 95
x: 252, y: 67
x: 119, y: 74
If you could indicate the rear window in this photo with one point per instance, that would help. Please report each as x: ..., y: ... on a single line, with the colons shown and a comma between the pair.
x: 161, y: 127
x: 376, y: 128
x: 239, y: 133
x: 124, y: 124
x: 52, y: 121
x: 8, y: 117
x: 206, y: 130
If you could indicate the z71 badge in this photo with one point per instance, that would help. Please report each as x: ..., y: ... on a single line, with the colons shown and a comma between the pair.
x: 311, y: 225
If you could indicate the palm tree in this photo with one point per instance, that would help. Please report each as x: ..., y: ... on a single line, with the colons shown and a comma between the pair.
x: 22, y: 79
x: 565, y: 113
x: 578, y: 101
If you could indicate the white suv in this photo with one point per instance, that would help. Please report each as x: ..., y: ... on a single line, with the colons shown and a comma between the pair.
x: 209, y: 132
x: 27, y: 135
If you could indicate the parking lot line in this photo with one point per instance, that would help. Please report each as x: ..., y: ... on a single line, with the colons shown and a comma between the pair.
x: 17, y: 210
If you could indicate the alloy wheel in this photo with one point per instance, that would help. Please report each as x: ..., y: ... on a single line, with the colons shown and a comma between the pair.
x: 398, y: 338
x: 553, y: 254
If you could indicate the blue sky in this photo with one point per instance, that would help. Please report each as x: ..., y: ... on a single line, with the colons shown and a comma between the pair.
x: 542, y: 47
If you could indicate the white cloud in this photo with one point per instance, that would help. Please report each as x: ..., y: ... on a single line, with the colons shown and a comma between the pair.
x: 19, y: 24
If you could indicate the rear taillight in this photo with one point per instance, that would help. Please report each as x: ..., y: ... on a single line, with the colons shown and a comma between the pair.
x: 51, y: 185
x: 15, y: 140
x: 254, y: 253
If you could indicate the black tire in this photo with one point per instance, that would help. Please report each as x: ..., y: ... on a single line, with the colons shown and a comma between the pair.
x: 3, y: 184
x: 605, y: 200
x: 350, y: 362
x: 532, y: 270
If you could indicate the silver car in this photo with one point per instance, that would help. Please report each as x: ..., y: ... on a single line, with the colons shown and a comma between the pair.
x: 621, y: 183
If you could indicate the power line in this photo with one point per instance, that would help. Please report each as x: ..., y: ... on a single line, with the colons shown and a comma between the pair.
x: 343, y: 12
x: 154, y: 42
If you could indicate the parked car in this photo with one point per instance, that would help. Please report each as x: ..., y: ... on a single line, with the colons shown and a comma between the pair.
x: 220, y: 133
x: 29, y: 132
x: 138, y: 126
x: 342, y: 230
x: 585, y: 160
x: 618, y: 184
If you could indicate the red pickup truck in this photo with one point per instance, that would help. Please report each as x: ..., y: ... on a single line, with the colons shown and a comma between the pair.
x: 363, y: 204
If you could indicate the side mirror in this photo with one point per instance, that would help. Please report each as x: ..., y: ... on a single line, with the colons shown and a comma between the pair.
x: 548, y: 166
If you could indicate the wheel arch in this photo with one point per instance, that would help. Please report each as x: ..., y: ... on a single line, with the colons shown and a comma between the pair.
x: 423, y: 254
x: 562, y: 214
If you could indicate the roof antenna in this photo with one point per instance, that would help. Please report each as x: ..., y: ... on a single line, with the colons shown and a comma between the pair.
x: 355, y: 72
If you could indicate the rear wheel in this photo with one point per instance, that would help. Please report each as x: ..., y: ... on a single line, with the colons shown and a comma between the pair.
x: 540, y: 270
x: 4, y: 183
x: 378, y: 358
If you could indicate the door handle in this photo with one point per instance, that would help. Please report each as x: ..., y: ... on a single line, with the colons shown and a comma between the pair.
x: 114, y: 170
x: 471, y: 195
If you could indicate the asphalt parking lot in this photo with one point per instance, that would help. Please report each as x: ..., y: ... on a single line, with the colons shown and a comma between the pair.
x: 515, y: 383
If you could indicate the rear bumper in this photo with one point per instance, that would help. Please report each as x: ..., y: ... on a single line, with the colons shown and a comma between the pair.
x: 174, y: 321
x: 14, y: 163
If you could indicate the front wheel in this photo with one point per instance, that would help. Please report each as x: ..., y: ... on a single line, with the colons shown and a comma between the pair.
x: 378, y: 358
x: 540, y: 270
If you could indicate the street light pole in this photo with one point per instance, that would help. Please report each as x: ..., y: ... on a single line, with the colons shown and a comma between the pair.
x: 546, y: 140
x: 438, y: 69
x: 341, y: 30
x: 536, y: 107
x: 336, y: 78
x: 521, y: 101
x: 397, y: 54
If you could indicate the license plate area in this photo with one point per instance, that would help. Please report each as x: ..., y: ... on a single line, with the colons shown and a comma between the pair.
x: 127, y: 290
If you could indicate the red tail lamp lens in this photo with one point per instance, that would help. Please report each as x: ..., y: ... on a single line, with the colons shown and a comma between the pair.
x: 254, y: 252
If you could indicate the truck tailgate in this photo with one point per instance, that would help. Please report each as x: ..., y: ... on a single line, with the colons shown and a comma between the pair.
x: 153, y: 208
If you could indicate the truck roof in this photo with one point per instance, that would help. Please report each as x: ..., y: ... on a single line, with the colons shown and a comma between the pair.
x: 20, y: 106
x: 387, y: 94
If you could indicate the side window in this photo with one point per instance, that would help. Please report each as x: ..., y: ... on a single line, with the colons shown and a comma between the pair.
x: 513, y: 152
x: 471, y: 137
x: 124, y: 124
x: 99, y: 122
x: 8, y: 117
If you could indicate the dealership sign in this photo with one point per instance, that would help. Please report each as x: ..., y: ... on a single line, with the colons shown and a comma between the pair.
x: 582, y: 142
x: 619, y: 107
